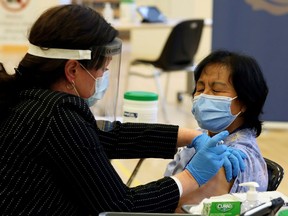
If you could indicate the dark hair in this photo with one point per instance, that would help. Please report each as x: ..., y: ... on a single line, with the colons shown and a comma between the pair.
x: 248, y: 81
x: 66, y: 26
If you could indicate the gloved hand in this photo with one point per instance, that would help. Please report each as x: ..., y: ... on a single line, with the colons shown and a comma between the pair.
x: 199, y: 141
x: 209, y: 159
x: 234, y: 163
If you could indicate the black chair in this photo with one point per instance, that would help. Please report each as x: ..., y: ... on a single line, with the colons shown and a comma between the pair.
x: 275, y: 174
x: 177, y: 55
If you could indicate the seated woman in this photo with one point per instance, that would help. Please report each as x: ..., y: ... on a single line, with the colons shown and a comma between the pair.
x: 230, y: 94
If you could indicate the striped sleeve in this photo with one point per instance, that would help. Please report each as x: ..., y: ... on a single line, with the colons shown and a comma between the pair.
x: 131, y: 140
x: 81, y: 162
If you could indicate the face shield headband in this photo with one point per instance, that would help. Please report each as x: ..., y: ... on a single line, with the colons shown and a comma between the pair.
x: 110, y: 54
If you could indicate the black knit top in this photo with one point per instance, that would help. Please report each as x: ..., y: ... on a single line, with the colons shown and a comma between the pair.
x: 55, y: 161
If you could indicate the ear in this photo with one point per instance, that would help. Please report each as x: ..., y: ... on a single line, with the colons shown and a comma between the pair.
x: 71, y: 69
x: 243, y: 108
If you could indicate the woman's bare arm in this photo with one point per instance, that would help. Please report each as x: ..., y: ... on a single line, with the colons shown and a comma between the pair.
x: 185, y: 136
x: 218, y: 185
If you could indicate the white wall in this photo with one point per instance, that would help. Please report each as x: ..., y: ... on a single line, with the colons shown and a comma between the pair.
x: 16, y: 19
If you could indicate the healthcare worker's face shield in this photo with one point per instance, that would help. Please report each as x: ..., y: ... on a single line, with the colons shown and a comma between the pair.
x: 105, y: 109
x: 108, y: 56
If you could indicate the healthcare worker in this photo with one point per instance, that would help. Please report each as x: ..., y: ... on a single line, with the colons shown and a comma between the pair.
x: 54, y: 158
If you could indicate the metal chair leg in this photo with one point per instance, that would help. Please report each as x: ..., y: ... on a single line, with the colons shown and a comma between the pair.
x: 162, y: 97
x: 135, y: 171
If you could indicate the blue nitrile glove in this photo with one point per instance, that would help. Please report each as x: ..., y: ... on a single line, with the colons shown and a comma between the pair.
x: 234, y: 163
x: 199, y: 141
x: 209, y: 159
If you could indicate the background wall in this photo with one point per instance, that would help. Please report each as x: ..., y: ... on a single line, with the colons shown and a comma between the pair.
x: 16, y: 19
x: 258, y: 28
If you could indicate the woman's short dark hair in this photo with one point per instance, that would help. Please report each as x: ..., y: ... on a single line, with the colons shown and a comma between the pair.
x: 247, y: 79
x: 66, y: 26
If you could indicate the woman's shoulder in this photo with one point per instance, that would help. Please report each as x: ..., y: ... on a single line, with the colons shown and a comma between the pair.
x: 46, y: 102
x: 245, y: 135
x: 245, y: 140
x: 45, y: 95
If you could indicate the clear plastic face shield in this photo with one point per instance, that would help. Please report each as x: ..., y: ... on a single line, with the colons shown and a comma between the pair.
x: 105, y: 109
x: 108, y: 56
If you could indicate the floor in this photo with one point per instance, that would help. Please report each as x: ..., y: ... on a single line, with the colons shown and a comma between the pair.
x: 272, y: 142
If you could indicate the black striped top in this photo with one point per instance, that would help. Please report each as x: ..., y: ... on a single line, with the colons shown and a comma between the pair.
x: 55, y: 161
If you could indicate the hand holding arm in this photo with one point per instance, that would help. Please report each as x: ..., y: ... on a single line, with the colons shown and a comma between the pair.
x: 233, y: 163
x: 199, y: 141
x: 209, y: 159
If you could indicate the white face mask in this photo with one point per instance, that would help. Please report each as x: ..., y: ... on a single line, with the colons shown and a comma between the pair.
x: 101, y: 85
x: 213, y: 113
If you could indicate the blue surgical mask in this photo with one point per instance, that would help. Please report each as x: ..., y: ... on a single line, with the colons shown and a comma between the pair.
x: 101, y: 85
x: 213, y: 113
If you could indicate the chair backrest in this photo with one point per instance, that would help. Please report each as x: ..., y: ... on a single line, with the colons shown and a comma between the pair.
x: 275, y: 174
x: 181, y: 45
